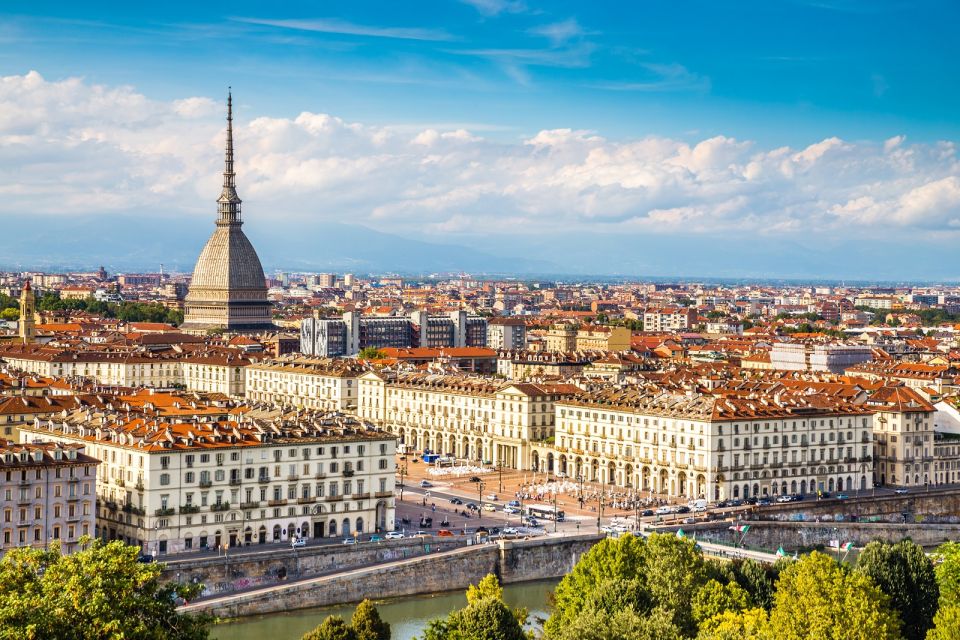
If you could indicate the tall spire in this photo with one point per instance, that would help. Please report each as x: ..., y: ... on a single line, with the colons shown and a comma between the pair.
x: 229, y: 201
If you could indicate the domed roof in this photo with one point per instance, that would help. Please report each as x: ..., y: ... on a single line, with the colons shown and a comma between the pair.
x: 228, y: 262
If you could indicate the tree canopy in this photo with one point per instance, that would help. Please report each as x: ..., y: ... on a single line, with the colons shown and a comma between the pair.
x: 905, y: 573
x: 98, y: 593
x: 365, y: 624
x: 818, y: 599
x: 486, y: 617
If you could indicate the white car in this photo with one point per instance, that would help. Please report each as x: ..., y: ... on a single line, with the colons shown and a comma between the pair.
x: 509, y: 509
x: 350, y: 540
x: 510, y: 531
x: 489, y: 507
x: 298, y: 542
x: 664, y: 510
x: 394, y: 535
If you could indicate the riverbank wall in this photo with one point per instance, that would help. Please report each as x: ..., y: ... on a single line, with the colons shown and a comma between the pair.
x: 510, y: 560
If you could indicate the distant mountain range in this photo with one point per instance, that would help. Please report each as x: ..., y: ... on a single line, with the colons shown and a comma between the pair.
x: 142, y: 243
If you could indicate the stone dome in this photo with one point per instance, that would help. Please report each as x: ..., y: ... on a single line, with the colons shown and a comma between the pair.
x: 228, y: 261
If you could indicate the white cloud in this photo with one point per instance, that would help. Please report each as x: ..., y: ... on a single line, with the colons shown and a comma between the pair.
x: 73, y: 147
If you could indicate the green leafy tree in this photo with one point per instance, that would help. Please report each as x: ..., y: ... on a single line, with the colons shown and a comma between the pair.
x: 946, y: 624
x: 9, y: 313
x: 750, y: 624
x: 100, y: 592
x: 817, y: 599
x: 611, y: 559
x: 663, y: 571
x: 757, y: 580
x: 332, y: 628
x: 486, y: 617
x: 623, y: 624
x: 367, y: 623
x: 947, y: 557
x: 715, y: 598
x: 371, y: 353
x: 905, y: 573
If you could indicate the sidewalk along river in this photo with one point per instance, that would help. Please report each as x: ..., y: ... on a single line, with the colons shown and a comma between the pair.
x: 408, y: 617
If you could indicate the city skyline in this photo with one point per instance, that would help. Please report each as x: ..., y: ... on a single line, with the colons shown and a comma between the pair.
x: 560, y: 140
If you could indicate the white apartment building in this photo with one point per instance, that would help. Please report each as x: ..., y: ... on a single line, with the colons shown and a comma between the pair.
x: 904, y: 431
x: 712, y: 447
x: 182, y: 485
x: 47, y: 495
x: 214, y: 371
x: 506, y: 334
x: 471, y: 418
x: 323, y: 384
x: 667, y: 319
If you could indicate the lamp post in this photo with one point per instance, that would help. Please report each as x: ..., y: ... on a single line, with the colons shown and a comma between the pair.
x: 555, y: 517
x: 480, y: 487
x: 600, y: 510
x: 580, y: 495
x: 403, y: 473
x: 500, y: 472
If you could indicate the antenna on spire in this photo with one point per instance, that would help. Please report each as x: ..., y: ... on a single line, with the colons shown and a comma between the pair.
x: 229, y: 201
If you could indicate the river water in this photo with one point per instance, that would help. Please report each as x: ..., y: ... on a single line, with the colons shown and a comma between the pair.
x: 407, y: 616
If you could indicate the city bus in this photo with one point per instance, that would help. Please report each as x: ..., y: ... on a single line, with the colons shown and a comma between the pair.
x: 543, y: 512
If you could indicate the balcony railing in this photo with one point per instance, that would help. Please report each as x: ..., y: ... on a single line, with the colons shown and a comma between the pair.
x: 220, y: 506
x: 249, y: 505
x: 276, y: 503
x: 263, y: 480
x: 235, y: 482
x: 189, y: 508
x: 169, y: 511
x: 205, y: 484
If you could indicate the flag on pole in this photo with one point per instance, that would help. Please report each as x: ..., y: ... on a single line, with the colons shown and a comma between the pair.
x: 847, y: 546
x: 681, y: 534
x: 740, y: 528
x: 780, y: 552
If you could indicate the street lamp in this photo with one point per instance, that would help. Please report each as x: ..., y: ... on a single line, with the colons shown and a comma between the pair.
x: 600, y: 510
x: 480, y: 487
x: 500, y: 471
x: 580, y: 495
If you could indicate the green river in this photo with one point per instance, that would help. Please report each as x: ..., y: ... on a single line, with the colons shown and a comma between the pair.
x: 407, y: 616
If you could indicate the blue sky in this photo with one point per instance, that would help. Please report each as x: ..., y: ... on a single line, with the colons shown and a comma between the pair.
x: 510, y: 126
x: 785, y: 72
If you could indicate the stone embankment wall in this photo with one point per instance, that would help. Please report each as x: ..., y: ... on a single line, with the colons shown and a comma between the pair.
x: 794, y: 536
x: 242, y: 571
x: 935, y: 505
x: 511, y: 561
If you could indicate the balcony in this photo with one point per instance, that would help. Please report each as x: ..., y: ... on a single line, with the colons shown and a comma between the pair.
x: 361, y: 496
x: 293, y: 477
x: 333, y: 498
x: 383, y: 494
x: 161, y: 512
x: 220, y: 506
x: 348, y: 473
x: 189, y: 508
x: 263, y: 480
x: 111, y: 505
x: 319, y: 475
x: 249, y: 505
x: 137, y: 511
x: 205, y: 484
x: 235, y: 482
x: 276, y: 503
x: 305, y: 500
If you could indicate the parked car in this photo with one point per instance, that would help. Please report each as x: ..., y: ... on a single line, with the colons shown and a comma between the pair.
x: 472, y: 506
x: 785, y: 498
x: 510, y: 531
x: 682, y: 509
x: 647, y: 513
x: 492, y: 497
x: 445, y: 533
x: 509, y: 509
x: 514, y: 503
x: 424, y: 484
x: 350, y: 540
x: 664, y: 510
x: 376, y: 538
x: 298, y: 542
x: 474, y: 478
x: 456, y: 501
x: 842, y: 496
x: 145, y: 558
x: 394, y: 535
x: 901, y: 492
x: 489, y: 507
x: 763, y: 502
